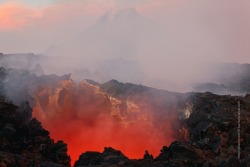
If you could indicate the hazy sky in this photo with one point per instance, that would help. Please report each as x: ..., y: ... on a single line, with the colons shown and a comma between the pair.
x: 181, y: 33
x: 36, y: 25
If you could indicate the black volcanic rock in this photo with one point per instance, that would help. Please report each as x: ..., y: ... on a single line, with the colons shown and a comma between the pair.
x: 164, y: 155
x: 23, y: 141
x: 184, y: 151
x: 210, y: 122
x: 108, y: 157
x: 212, y: 125
x: 122, y: 90
x: 147, y: 155
x: 89, y: 158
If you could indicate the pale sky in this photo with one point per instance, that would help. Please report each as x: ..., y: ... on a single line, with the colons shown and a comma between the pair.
x: 34, y: 3
x: 48, y: 22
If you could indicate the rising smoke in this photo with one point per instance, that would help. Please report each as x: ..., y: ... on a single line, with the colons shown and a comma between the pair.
x: 88, y: 118
x: 163, y: 44
x: 167, y: 45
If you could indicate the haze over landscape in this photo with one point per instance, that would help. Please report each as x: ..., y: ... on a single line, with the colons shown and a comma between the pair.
x: 163, y: 44
x: 169, y: 79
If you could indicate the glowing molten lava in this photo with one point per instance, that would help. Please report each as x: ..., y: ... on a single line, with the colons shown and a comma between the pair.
x: 88, y: 119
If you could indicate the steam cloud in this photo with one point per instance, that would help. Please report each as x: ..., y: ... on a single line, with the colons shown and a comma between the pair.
x: 172, y: 44
x: 85, y: 119
x: 163, y: 44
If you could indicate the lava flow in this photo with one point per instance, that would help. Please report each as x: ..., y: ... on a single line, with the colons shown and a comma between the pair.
x: 87, y: 119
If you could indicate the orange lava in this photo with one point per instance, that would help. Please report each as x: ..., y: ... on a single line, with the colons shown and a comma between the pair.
x: 83, y: 121
x: 104, y: 131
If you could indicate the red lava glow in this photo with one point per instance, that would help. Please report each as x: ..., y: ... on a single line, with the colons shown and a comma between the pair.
x: 103, y: 132
x: 83, y: 122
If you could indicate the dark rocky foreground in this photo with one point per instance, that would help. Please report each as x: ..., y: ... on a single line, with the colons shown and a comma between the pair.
x: 213, y: 138
x: 23, y: 141
x: 212, y: 141
x: 208, y: 124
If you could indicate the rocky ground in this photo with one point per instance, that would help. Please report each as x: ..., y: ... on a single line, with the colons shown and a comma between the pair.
x: 213, y: 138
x: 23, y: 141
x: 207, y: 123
